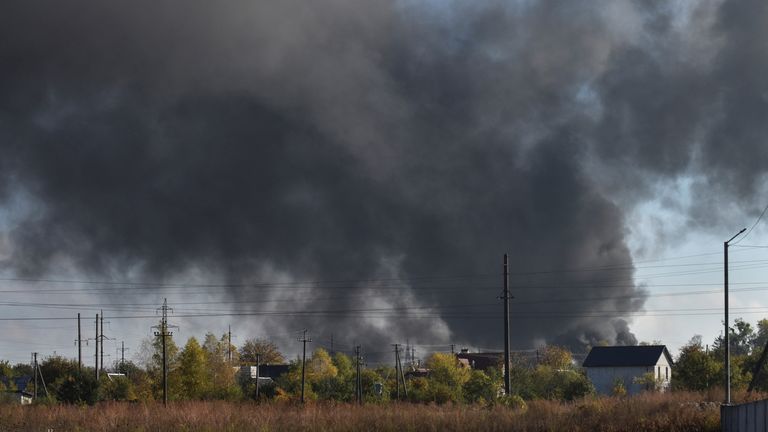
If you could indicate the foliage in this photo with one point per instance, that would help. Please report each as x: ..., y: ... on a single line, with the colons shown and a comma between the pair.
x: 446, y: 378
x: 194, y: 377
x: 155, y: 368
x: 556, y: 357
x: 268, y: 351
x: 649, y: 381
x: 319, y: 373
x: 513, y: 401
x: 619, y: 389
x: 481, y: 388
x: 118, y: 388
x: 222, y: 382
x: 77, y: 388
x: 695, y: 369
x: 741, y: 339
x: 6, y: 370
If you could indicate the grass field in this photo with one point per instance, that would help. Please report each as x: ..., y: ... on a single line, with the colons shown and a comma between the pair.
x: 651, y: 412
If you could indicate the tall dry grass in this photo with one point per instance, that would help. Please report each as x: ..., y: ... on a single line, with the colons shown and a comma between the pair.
x: 650, y: 412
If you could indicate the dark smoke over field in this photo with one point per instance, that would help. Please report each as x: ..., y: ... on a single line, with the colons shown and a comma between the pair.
x: 375, y: 141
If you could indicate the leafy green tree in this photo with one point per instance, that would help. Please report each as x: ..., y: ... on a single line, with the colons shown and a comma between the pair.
x: 6, y: 370
x: 556, y: 357
x: 54, y: 370
x: 761, y: 336
x: 742, y: 340
x: 695, y: 369
x: 649, y: 381
x: 370, y: 379
x: 77, y: 388
x: 446, y: 378
x: 155, y: 368
x: 341, y: 386
x: 481, y: 388
x: 319, y: 371
x: 268, y: 351
x: 223, y: 382
x: 192, y: 367
x: 141, y: 382
x: 116, y: 388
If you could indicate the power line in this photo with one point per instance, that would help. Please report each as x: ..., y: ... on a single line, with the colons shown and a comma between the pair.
x: 752, y: 227
x: 320, y: 283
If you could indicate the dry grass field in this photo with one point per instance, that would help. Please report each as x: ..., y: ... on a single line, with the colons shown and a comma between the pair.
x: 652, y: 412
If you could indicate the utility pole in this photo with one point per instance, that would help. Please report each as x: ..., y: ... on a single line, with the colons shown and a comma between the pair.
x: 358, y: 381
x: 453, y: 348
x: 304, y: 340
x: 402, y: 376
x: 34, y: 396
x: 397, y: 370
x: 399, y: 375
x: 79, y: 346
x: 507, y: 385
x: 727, y: 326
x: 258, y: 372
x: 229, y: 344
x: 97, y: 348
x: 164, y: 333
x: 407, y: 350
x: 102, y: 341
x: 122, y: 350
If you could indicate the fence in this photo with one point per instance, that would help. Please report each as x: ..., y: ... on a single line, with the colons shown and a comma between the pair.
x: 747, y: 417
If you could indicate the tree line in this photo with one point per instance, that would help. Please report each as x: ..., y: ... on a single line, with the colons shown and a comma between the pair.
x: 211, y: 371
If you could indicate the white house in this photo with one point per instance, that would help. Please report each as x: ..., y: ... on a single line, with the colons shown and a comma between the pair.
x: 606, y: 366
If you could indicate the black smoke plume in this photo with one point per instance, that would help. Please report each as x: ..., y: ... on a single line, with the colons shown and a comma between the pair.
x: 375, y: 141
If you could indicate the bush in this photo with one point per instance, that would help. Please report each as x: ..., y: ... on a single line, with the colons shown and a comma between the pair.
x: 513, y: 401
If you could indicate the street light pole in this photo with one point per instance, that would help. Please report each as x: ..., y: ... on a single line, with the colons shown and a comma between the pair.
x: 727, y: 328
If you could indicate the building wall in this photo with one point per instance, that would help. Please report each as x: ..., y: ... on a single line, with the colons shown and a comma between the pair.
x: 603, y: 378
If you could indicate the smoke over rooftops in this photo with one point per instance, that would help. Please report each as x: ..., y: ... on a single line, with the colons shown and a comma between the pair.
x: 369, y: 141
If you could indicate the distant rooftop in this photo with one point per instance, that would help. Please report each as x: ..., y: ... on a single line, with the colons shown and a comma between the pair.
x: 626, y: 356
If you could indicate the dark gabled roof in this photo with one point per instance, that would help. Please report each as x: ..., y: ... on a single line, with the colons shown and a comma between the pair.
x: 626, y: 356
x: 482, y: 361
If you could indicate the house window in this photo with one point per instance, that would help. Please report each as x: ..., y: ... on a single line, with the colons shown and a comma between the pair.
x: 658, y: 372
x: 666, y: 372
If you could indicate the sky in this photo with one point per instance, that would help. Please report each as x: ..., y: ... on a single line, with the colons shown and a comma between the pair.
x: 359, y: 169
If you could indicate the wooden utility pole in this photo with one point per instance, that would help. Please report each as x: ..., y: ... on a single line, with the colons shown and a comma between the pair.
x: 34, y: 396
x: 229, y: 344
x: 304, y: 340
x: 258, y: 373
x: 79, y: 346
x: 358, y: 381
x: 399, y: 375
x: 397, y: 370
x: 402, y: 376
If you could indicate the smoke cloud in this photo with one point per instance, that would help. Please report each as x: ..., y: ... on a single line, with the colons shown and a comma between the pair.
x: 371, y: 141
